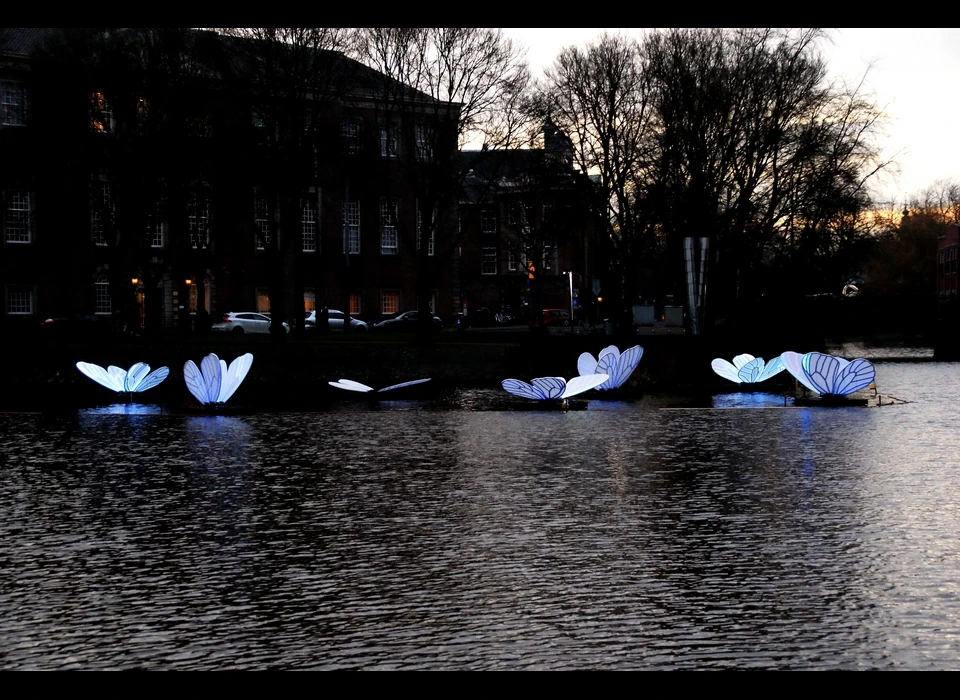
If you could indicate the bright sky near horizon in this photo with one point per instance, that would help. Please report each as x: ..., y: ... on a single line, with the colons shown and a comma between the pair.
x: 908, y: 72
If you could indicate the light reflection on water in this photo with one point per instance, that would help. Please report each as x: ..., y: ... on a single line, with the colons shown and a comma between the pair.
x: 468, y: 533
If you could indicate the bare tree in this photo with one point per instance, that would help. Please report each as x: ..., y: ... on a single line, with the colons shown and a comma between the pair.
x: 443, y: 88
x: 600, y: 96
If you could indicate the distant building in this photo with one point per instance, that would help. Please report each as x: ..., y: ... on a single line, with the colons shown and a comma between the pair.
x: 948, y: 244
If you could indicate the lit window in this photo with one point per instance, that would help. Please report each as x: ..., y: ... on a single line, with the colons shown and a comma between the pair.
x: 309, y: 299
x: 350, y: 135
x: 431, y: 244
x: 351, y: 227
x: 101, y: 212
x: 198, y: 218
x: 16, y: 216
x: 19, y: 300
x: 356, y: 303
x: 308, y: 225
x: 389, y: 213
x: 13, y: 104
x: 389, y: 302
x: 101, y: 296
x: 389, y: 139
x: 101, y: 114
x: 488, y: 261
x: 263, y: 300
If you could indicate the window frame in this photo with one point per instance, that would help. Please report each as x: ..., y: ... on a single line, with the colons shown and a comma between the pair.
x: 17, y: 216
x: 351, y: 227
x: 389, y: 220
x: 488, y: 267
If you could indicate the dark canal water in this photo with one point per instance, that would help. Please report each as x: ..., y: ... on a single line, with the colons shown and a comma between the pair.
x: 725, y: 531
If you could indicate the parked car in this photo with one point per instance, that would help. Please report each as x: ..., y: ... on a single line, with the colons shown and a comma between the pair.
x: 552, y: 317
x: 336, y: 322
x: 245, y: 322
x: 406, y: 321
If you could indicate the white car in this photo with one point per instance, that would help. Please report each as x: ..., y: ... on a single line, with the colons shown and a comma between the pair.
x: 245, y: 322
x: 336, y: 322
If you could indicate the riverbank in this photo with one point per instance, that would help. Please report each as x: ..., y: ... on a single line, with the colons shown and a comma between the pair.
x: 42, y: 370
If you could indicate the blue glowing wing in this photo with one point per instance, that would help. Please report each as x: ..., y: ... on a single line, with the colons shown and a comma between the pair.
x: 856, y: 375
x: 195, y: 382
x: 772, y: 368
x: 794, y: 361
x: 135, y: 375
x: 152, y: 379
x: 233, y: 376
x: 822, y: 371
x: 740, y: 360
x: 403, y: 384
x: 578, y: 385
x: 756, y: 370
x: 726, y: 370
x: 100, y: 376
x: 520, y: 388
x: 586, y: 364
x: 550, y: 387
x: 618, y: 366
x: 351, y: 385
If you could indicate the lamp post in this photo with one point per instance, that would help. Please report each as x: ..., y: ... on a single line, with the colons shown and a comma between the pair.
x: 569, y: 274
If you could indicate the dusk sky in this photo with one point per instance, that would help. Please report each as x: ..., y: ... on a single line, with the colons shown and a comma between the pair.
x: 909, y: 72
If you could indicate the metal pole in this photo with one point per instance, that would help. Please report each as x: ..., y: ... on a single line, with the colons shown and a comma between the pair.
x: 570, y: 273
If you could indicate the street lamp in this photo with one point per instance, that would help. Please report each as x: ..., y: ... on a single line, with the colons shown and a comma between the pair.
x: 569, y: 274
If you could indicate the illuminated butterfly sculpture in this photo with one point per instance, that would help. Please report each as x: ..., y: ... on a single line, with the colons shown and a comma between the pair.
x: 134, y: 380
x: 610, y: 361
x: 828, y: 375
x: 215, y: 382
x: 553, y: 388
x: 747, y: 369
x: 351, y: 385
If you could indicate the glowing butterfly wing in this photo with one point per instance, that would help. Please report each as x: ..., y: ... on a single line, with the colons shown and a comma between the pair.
x: 751, y: 371
x: 772, y: 368
x: 135, y: 376
x: 351, y: 385
x: 100, y: 376
x: 403, y: 384
x: 578, y: 385
x: 153, y: 379
x: 550, y: 387
x: 822, y: 371
x: 620, y: 370
x: 609, y: 350
x: 118, y: 375
x: 793, y: 361
x: 233, y: 376
x: 856, y: 375
x: 740, y: 360
x: 522, y: 389
x: 586, y: 364
x: 726, y: 370
x: 195, y: 382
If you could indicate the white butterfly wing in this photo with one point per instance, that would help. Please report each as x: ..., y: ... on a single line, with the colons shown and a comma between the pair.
x: 233, y: 375
x: 726, y: 370
x: 135, y: 376
x: 772, y: 368
x: 578, y: 385
x: 856, y: 375
x: 195, y: 382
x: 621, y: 368
x: 793, y: 361
x: 153, y: 379
x: 740, y: 360
x: 551, y: 387
x: 750, y: 372
x: 351, y: 385
x: 403, y: 384
x: 100, y: 376
x: 822, y: 371
x: 586, y: 364
x: 520, y: 388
